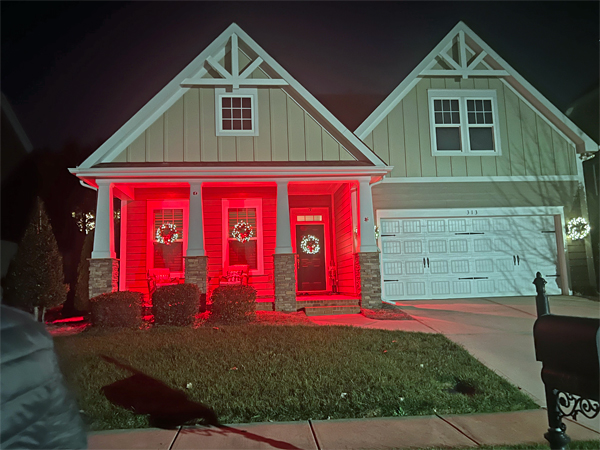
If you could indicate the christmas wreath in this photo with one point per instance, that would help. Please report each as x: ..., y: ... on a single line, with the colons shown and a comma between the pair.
x: 166, y: 233
x: 310, y: 244
x: 578, y: 228
x: 242, y: 231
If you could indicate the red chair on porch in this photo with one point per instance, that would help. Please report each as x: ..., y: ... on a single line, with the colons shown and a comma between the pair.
x: 159, y: 277
x: 236, y: 275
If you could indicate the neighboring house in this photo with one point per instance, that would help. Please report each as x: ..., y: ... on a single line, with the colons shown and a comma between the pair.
x: 235, y: 138
x: 15, y: 147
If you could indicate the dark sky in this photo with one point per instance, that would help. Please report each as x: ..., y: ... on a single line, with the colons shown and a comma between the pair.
x: 79, y: 71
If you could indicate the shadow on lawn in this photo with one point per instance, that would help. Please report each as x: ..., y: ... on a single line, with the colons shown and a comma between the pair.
x: 170, y: 408
x: 166, y: 407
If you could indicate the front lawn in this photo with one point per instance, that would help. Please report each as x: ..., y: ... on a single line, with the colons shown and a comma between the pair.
x: 259, y: 373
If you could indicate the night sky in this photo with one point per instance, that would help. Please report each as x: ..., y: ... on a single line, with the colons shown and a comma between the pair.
x: 78, y: 71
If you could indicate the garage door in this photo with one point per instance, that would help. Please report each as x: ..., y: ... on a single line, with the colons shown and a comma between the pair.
x: 467, y: 257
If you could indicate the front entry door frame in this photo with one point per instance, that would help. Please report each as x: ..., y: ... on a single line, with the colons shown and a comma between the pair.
x: 324, y: 213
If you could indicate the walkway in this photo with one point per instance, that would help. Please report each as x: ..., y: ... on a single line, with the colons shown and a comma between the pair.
x: 467, y: 431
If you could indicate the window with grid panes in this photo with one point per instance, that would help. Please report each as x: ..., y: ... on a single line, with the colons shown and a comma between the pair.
x: 236, y: 113
x: 463, y: 122
x: 169, y: 256
x: 243, y: 252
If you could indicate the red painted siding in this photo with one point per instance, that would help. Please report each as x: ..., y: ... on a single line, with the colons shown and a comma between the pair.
x: 212, y: 211
x: 342, y: 212
x: 135, y: 262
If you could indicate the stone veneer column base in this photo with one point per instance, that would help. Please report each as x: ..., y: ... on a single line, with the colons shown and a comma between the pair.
x: 368, y: 279
x: 104, y: 276
x: 285, y: 281
x: 196, y: 271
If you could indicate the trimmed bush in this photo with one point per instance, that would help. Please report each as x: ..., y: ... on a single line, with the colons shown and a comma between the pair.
x: 176, y: 305
x: 117, y: 309
x: 233, y: 304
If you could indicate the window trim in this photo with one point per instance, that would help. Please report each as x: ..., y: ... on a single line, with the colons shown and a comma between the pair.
x: 151, y: 206
x: 244, y: 93
x: 242, y: 203
x: 462, y: 95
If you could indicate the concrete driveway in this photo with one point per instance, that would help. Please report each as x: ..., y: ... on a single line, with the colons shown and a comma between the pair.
x: 499, y: 332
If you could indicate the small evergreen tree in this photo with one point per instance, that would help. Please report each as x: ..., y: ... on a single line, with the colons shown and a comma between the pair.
x: 82, y: 290
x: 35, y: 279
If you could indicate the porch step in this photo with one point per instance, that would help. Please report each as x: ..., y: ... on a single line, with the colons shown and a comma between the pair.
x: 301, y: 303
x: 330, y: 310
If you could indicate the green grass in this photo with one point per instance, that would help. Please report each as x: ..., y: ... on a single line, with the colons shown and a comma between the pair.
x: 285, y: 373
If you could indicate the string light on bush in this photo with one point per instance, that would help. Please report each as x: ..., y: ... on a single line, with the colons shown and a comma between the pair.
x: 167, y: 233
x: 242, y: 231
x: 310, y: 244
x: 578, y: 228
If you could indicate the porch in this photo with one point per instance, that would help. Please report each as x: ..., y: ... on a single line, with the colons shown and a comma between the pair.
x: 301, y: 240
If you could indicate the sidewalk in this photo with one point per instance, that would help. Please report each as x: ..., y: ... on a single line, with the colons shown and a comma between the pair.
x: 459, y: 431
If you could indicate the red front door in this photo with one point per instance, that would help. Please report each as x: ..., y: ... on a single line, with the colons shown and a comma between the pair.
x: 311, y: 260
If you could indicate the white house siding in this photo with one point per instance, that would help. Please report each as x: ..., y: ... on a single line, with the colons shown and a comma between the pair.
x: 186, y: 133
x: 530, y: 146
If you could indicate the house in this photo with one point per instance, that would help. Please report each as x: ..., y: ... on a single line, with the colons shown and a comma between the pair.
x: 234, y: 162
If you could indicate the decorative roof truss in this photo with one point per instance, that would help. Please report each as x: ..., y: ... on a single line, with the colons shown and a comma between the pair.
x: 458, y: 59
x: 233, y: 78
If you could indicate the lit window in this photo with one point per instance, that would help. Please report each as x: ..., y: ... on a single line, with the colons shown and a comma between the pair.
x: 243, y: 252
x: 464, y: 122
x: 169, y: 256
x: 236, y: 112
x: 249, y: 252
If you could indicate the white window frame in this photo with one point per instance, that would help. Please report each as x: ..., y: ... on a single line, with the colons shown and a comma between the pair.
x: 243, y: 93
x: 151, y: 206
x: 255, y: 203
x: 462, y: 95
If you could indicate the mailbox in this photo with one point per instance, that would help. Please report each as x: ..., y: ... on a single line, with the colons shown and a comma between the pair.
x: 569, y: 350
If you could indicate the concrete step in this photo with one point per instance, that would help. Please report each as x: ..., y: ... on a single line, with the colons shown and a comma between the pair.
x: 329, y: 310
x: 302, y: 303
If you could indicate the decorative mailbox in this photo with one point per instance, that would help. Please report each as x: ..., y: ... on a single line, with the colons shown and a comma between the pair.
x: 569, y: 349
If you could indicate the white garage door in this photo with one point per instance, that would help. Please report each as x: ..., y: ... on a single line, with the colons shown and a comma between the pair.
x: 467, y: 257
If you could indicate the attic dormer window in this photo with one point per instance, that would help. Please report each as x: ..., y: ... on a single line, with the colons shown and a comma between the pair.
x: 236, y: 112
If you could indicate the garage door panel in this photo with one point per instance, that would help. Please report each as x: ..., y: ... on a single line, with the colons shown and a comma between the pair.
x: 467, y: 256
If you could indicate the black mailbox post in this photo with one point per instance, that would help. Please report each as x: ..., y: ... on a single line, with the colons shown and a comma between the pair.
x: 569, y: 349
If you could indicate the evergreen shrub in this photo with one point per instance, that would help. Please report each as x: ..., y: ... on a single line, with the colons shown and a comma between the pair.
x: 176, y: 305
x: 233, y: 304
x: 117, y: 309
x: 35, y: 278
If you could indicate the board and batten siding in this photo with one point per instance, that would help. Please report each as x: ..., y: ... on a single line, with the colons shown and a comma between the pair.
x: 342, y: 212
x: 186, y: 133
x: 530, y: 146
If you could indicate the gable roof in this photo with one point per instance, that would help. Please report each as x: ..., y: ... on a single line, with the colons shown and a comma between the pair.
x: 475, y: 58
x: 196, y: 72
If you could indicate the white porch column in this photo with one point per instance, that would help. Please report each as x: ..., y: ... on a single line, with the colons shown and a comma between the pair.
x: 367, y: 222
x: 195, y: 229
x: 104, y: 241
x: 283, y: 240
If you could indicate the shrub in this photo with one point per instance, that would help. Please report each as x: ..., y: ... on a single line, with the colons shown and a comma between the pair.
x: 117, y: 309
x: 176, y: 305
x: 233, y: 304
x: 35, y: 279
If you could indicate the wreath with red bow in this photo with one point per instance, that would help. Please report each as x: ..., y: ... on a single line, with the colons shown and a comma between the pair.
x: 167, y: 233
x: 310, y: 244
x: 242, y: 231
